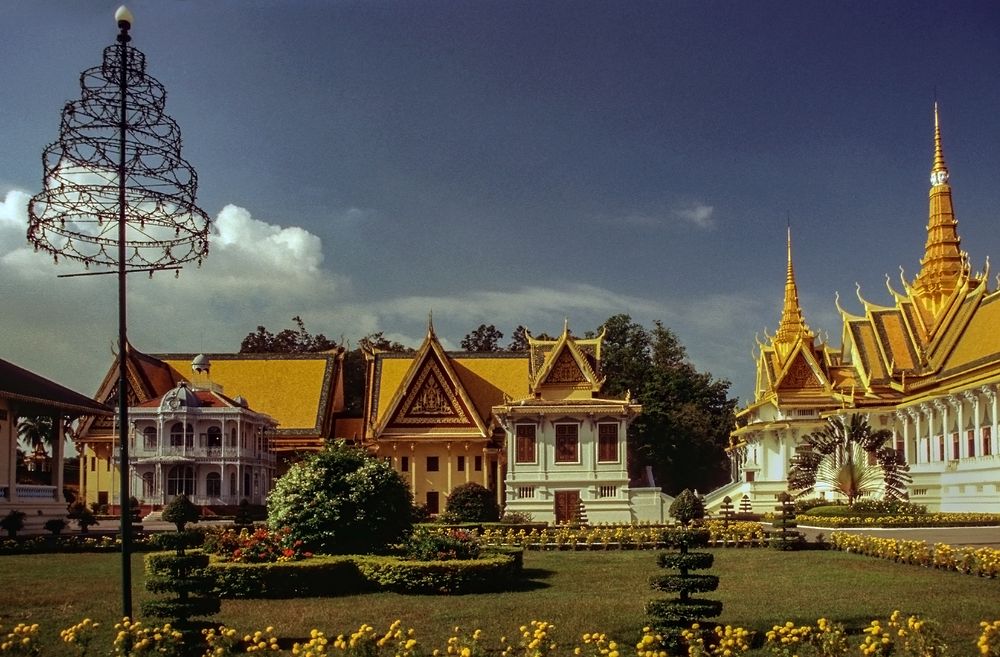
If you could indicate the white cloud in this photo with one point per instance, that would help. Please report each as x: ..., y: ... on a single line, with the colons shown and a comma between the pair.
x: 698, y: 214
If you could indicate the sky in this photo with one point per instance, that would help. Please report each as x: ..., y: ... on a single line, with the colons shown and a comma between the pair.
x: 512, y: 162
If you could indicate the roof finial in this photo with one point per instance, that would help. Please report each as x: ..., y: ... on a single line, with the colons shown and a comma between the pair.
x: 430, y: 323
x: 792, y: 323
x: 565, y: 325
x: 939, y: 173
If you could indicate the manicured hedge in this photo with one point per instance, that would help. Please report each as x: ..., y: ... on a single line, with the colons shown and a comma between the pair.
x: 349, y: 574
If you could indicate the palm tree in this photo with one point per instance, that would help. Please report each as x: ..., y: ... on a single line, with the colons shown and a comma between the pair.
x: 850, y: 458
x: 34, y: 430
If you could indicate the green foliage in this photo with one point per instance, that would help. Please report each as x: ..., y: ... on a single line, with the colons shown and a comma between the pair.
x: 177, y: 541
x: 684, y: 583
x: 321, y: 575
x: 516, y: 518
x: 687, y: 507
x: 55, y: 525
x: 244, y: 515
x: 838, y: 455
x: 887, y: 508
x: 683, y: 430
x: 686, y: 561
x: 83, y: 516
x: 676, y: 537
x: 181, y: 511
x: 347, y: 575
x: 786, y: 538
x: 491, y: 572
x: 484, y: 338
x: 442, y: 545
x: 36, y: 430
x: 341, y: 500
x: 472, y: 502
x: 13, y: 522
x: 288, y: 341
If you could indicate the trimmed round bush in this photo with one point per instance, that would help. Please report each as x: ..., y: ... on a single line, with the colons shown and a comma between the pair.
x: 687, y: 507
x: 683, y: 612
x: 341, y: 500
x: 688, y: 561
x: 686, y: 536
x: 472, y: 503
x: 684, y: 583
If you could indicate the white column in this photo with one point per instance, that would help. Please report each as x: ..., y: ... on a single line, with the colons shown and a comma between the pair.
x: 57, y: 458
x: 920, y: 440
x: 450, y: 465
x: 413, y: 472
x: 946, y: 454
x: 977, y: 449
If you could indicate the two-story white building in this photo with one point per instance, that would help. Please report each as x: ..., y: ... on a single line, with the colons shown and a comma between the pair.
x: 195, y: 440
x: 565, y: 445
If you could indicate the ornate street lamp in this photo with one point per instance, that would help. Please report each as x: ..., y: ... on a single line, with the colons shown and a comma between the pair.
x: 117, y: 193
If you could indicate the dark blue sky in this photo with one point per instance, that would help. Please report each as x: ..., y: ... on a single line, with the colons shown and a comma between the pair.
x: 516, y: 163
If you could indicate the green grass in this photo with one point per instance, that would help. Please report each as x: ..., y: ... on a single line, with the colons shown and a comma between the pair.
x: 577, y: 591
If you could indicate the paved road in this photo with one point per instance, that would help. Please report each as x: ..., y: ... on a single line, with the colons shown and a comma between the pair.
x: 978, y: 536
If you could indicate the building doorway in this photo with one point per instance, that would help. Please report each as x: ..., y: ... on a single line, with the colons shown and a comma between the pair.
x: 567, y: 505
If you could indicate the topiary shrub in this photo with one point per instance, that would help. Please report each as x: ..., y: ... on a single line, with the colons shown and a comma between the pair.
x: 786, y: 537
x: 13, y: 522
x: 84, y: 517
x: 687, y: 507
x: 472, y: 502
x: 55, y: 526
x: 674, y: 615
x: 182, y: 576
x: 341, y: 500
x: 727, y: 511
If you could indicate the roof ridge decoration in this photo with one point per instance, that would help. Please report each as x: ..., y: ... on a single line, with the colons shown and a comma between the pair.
x: 565, y: 363
x: 431, y: 394
x: 792, y: 327
x: 944, y: 267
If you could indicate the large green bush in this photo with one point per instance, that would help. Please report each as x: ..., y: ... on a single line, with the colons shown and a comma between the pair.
x: 341, y: 500
x: 687, y: 507
x: 472, y: 502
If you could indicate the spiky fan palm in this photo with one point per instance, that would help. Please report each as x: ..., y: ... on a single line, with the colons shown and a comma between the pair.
x: 851, y: 458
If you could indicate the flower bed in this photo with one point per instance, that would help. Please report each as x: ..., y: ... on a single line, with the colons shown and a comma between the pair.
x: 897, y: 635
x: 70, y: 543
x: 982, y: 561
x: 327, y: 575
x: 621, y: 537
x: 912, y: 520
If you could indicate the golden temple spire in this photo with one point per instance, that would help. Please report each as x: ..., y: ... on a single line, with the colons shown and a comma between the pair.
x: 792, y: 325
x: 943, y: 264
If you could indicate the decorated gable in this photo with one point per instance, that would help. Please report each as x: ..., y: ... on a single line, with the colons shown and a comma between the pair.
x: 432, y: 399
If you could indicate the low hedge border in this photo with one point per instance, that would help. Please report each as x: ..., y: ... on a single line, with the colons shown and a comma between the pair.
x: 978, y: 561
x: 928, y: 520
x: 328, y: 575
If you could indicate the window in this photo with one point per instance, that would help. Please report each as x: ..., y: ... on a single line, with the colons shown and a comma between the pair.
x: 246, y: 484
x: 524, y: 443
x: 149, y: 437
x: 433, y: 502
x: 478, y: 464
x: 181, y: 435
x: 432, y: 464
x: 970, y: 436
x: 954, y: 445
x: 93, y: 464
x: 214, y: 437
x: 607, y: 442
x: 461, y: 464
x: 567, y: 443
x: 900, y: 448
x: 750, y: 475
x: 404, y: 464
x: 232, y: 483
x: 147, y: 485
x: 232, y: 438
x: 213, y: 484
x: 987, y: 446
x: 180, y: 480
x: 940, y: 448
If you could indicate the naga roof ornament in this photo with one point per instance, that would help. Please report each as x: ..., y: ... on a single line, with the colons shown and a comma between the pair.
x: 793, y: 324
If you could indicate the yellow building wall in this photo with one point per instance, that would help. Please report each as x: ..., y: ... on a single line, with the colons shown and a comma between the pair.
x: 99, y: 477
x: 447, y: 477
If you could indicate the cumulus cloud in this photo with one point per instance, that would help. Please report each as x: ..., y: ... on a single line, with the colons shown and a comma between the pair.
x: 698, y: 214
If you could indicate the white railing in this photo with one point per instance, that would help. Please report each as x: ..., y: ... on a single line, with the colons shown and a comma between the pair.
x: 32, y: 492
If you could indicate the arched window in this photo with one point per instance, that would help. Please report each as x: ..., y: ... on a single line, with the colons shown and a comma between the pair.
x: 232, y: 438
x: 147, y: 485
x: 214, y: 437
x: 180, y: 480
x: 149, y: 438
x: 213, y: 484
x: 177, y: 434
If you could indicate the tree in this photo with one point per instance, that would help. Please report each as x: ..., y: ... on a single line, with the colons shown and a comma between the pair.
x: 377, y: 340
x: 519, y: 339
x: 288, y: 341
x: 852, y: 459
x: 686, y: 414
x: 341, y: 500
x: 484, y: 338
x: 36, y: 430
x: 472, y: 502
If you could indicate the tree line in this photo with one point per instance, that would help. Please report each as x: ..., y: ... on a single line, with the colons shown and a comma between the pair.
x: 686, y: 415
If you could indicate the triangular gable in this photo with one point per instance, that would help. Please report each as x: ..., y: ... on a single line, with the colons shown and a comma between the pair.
x: 146, y: 378
x: 431, y: 395
x: 567, y: 366
x: 802, y: 372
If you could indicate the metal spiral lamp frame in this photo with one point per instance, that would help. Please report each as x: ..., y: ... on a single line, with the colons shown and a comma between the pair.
x: 116, y: 193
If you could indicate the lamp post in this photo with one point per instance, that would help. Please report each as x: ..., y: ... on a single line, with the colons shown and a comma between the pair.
x: 116, y: 193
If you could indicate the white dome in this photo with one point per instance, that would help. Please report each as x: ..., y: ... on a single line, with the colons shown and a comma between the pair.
x: 178, y: 398
x: 201, y: 363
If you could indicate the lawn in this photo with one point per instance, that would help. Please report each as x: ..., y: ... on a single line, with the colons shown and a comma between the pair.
x: 577, y: 591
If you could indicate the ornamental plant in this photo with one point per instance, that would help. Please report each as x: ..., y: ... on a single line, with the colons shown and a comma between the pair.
x: 84, y: 517
x: 446, y: 545
x: 675, y: 614
x: 180, y: 575
x: 13, y: 522
x: 471, y: 502
x: 786, y: 537
x: 341, y: 500
x: 258, y: 546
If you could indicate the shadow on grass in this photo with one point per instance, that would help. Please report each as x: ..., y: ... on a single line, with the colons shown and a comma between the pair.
x: 532, y: 580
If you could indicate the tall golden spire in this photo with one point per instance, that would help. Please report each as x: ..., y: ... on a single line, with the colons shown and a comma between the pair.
x: 792, y: 325
x: 943, y: 264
